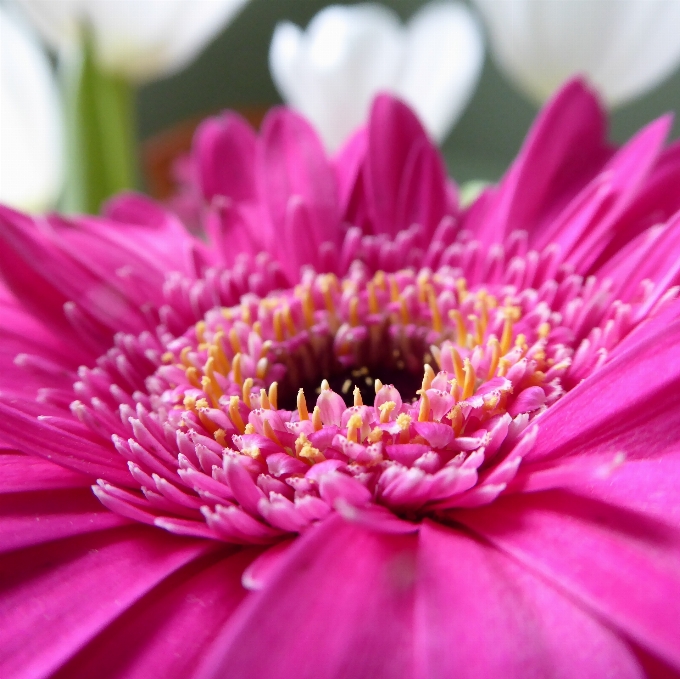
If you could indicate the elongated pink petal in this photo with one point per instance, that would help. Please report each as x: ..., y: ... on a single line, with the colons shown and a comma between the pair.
x: 563, y: 151
x: 224, y: 157
x: 340, y: 605
x: 621, y: 566
x: 488, y: 616
x: 28, y: 519
x: 23, y: 473
x: 166, y: 633
x: 292, y: 162
x: 55, y: 598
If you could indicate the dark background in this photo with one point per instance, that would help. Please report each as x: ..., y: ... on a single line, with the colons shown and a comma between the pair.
x: 233, y: 72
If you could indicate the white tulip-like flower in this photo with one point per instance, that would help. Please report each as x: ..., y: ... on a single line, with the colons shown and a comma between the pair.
x: 140, y: 40
x: 332, y: 70
x: 623, y: 47
x: 31, y: 150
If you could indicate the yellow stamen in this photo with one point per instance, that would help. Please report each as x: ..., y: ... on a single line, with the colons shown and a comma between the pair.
x: 461, y: 286
x: 269, y: 432
x: 288, y: 318
x: 373, y: 305
x: 457, y: 365
x: 236, y: 367
x: 261, y: 368
x: 470, y: 379
x: 495, y: 348
x: 234, y: 341
x: 395, y: 294
x: 235, y: 415
x: 461, y: 331
x: 193, y: 378
x: 456, y: 417
x: 386, y: 410
x: 221, y: 437
x: 354, y: 312
x: 375, y: 435
x: 325, y: 386
x: 427, y: 377
x: 302, y: 405
x: 353, y: 426
x: 168, y: 357
x: 437, y: 324
x: 378, y: 385
x: 250, y: 428
x: 424, y: 412
x: 200, y: 332
x: 246, y: 316
x: 184, y: 357
x: 247, y: 387
x: 278, y: 325
x: 274, y: 395
x: 316, y: 419
x: 404, y: 422
x: 358, y: 401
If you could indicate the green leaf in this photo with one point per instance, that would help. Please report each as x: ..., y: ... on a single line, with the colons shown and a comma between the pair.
x: 100, y: 132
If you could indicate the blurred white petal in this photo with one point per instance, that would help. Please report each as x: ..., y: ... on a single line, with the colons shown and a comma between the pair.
x: 444, y: 57
x: 332, y: 70
x: 137, y: 39
x: 623, y: 47
x: 31, y: 151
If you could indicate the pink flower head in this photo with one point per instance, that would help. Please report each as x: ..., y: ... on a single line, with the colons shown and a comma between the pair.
x: 359, y: 432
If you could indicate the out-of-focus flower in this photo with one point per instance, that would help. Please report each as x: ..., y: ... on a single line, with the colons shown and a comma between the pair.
x: 623, y: 47
x: 139, y: 40
x: 31, y: 153
x: 435, y: 443
x: 331, y: 71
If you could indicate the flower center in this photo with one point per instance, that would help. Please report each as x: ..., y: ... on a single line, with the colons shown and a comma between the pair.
x: 405, y: 391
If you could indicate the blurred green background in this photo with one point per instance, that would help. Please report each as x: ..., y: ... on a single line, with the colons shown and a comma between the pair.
x: 233, y: 72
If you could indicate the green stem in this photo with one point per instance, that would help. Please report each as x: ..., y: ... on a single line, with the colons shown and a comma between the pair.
x: 100, y: 133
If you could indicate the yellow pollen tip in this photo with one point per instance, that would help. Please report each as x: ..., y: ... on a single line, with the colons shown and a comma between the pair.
x: 495, y: 348
x: 252, y: 451
x: 261, y: 368
x: 461, y: 331
x: 404, y: 422
x: 250, y: 429
x: 375, y: 435
x: 544, y: 330
x: 456, y: 417
x: 386, y: 410
x: 325, y: 386
x: 378, y: 385
x: 354, y: 312
x: 189, y: 402
x: 168, y: 357
x: 220, y: 437
x: 437, y: 324
x: 200, y: 331
x: 457, y: 366
x: 353, y: 426
x: 358, y: 401
x: 193, y: 377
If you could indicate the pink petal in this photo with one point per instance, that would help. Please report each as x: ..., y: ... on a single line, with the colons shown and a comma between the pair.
x: 563, y: 151
x: 621, y: 566
x: 292, y: 162
x: 166, y: 633
x: 56, y: 597
x: 494, y: 618
x: 224, y: 157
x: 340, y: 606
x: 22, y: 473
x: 28, y: 519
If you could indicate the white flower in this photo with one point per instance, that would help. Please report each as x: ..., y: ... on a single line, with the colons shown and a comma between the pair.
x: 623, y: 47
x: 139, y: 40
x: 31, y: 151
x: 332, y: 71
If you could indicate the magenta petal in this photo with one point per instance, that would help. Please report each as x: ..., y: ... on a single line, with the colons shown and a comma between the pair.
x: 621, y: 566
x: 563, y: 151
x: 490, y: 617
x: 224, y: 154
x: 56, y: 597
x: 166, y: 633
x: 28, y: 519
x: 292, y: 162
x: 339, y: 606
x: 22, y: 473
x: 401, y: 163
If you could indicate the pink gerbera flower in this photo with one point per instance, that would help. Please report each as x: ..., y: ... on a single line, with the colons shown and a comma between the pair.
x: 360, y: 432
